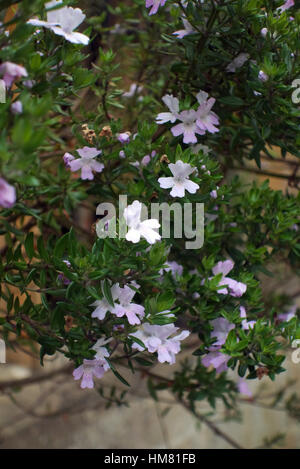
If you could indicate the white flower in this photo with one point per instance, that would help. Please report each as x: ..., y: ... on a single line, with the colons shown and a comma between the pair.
x: 158, y: 339
x: 126, y: 308
x: 63, y: 21
x: 134, y: 89
x: 199, y: 147
x: 202, y: 97
x: 180, y: 181
x: 173, y: 104
x: 102, y: 306
x: 188, y: 29
x: 140, y: 229
x: 101, y: 351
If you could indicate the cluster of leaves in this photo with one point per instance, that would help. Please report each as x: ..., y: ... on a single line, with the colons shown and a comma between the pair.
x: 252, y: 224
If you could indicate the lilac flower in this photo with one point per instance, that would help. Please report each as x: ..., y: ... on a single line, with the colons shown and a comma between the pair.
x: 192, y: 122
x: 7, y: 194
x: 86, y: 162
x: 188, y: 29
x: 238, y: 62
x: 262, y: 76
x: 124, y: 137
x: 180, y: 181
x: 88, y: 370
x: 214, y: 194
x: 61, y: 277
x: 101, y: 351
x: 155, y: 4
x: 206, y: 118
x: 243, y: 387
x: 189, y: 126
x: 127, y: 308
x: 140, y: 229
x: 103, y: 306
x: 288, y: 4
x: 232, y: 287
x: 173, y: 267
x: 264, y: 32
x: 16, y: 107
x: 216, y: 359
x: 246, y: 325
x: 158, y: 339
x: 29, y: 83
x: 63, y: 21
x: 67, y: 159
x: 11, y: 72
x: 221, y: 328
x: 289, y: 315
x: 173, y: 105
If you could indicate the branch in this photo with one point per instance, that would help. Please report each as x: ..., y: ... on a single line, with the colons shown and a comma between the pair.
x: 212, y: 426
x: 34, y: 379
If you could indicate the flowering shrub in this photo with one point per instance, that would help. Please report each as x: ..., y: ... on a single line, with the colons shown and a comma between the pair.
x: 77, y: 132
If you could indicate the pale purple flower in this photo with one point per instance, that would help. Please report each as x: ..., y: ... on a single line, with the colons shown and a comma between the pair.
x: 246, y: 325
x: 237, y: 62
x: 124, y: 137
x: 122, y: 154
x: 7, y: 194
x: 61, y: 277
x: 132, y: 311
x: 155, y: 4
x: 214, y: 194
x: 160, y: 339
x: 188, y: 127
x: 140, y: 229
x: 12, y: 72
x: 243, y: 387
x: 188, y: 29
x: 232, y: 287
x: 101, y: 350
x: 264, y: 32
x: 221, y: 328
x: 67, y: 159
x: 288, y: 315
x: 216, y: 359
x: 147, y: 158
x: 86, y: 162
x: 206, y: 118
x: 16, y: 107
x: 262, y: 76
x: 29, y: 83
x: 288, y: 4
x: 103, y: 306
x: 88, y: 370
x: 180, y: 181
x: 172, y: 104
x: 63, y: 21
x: 173, y: 267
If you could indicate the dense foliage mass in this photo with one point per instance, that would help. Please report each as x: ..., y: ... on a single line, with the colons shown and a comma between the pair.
x: 158, y: 102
